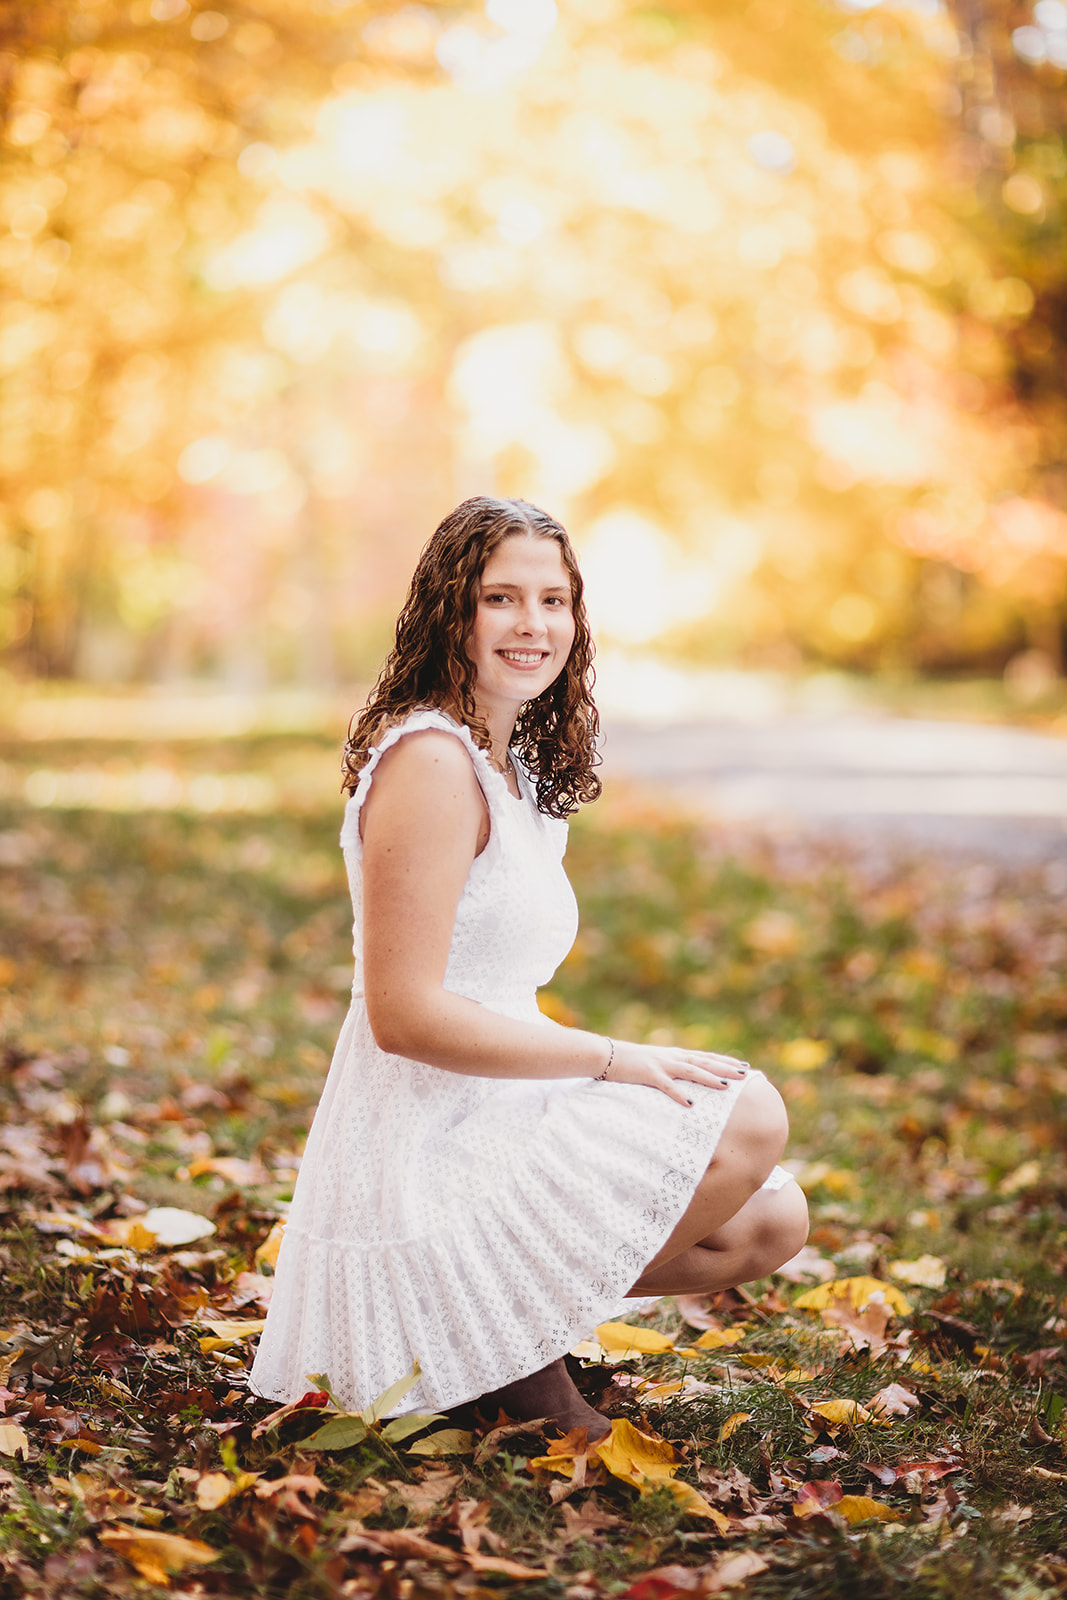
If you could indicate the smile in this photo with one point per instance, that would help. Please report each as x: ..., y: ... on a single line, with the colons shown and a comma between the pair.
x: 524, y: 658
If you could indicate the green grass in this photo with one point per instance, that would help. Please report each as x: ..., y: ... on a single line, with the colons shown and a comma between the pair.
x: 172, y: 986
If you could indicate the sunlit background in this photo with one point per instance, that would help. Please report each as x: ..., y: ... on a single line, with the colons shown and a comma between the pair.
x: 767, y: 301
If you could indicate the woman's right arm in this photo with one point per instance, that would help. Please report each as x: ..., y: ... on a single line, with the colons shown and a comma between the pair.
x: 423, y: 823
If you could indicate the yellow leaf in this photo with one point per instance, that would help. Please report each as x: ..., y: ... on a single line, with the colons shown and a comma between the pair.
x: 587, y: 1350
x: 225, y: 1334
x: 14, y: 1441
x: 154, y: 1555
x: 715, y: 1338
x: 636, y: 1457
x: 694, y: 1505
x: 732, y: 1424
x: 564, y: 1465
x: 8, y: 1362
x: 803, y: 1055
x: 776, y: 1371
x: 132, y: 1232
x: 858, y: 1291
x: 213, y: 1490
x: 862, y: 1508
x: 843, y: 1412
x: 652, y: 1393
x: 617, y: 1337
x: 267, y: 1254
x: 926, y: 1272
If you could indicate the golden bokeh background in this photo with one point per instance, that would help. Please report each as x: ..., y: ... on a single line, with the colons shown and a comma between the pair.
x: 768, y: 301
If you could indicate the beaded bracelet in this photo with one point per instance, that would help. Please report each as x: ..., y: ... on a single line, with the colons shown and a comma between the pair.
x: 601, y: 1076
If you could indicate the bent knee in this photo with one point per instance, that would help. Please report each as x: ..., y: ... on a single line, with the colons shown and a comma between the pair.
x: 784, y: 1225
x: 755, y: 1135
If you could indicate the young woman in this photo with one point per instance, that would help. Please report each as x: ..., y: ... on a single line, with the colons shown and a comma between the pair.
x: 482, y: 1186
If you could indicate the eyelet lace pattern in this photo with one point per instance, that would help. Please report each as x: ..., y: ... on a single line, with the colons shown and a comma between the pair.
x: 478, y: 1226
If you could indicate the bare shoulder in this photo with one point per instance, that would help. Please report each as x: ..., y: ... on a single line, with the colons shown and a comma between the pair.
x: 429, y: 756
x: 426, y: 781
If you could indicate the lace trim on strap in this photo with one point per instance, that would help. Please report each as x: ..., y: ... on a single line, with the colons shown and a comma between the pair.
x: 493, y: 784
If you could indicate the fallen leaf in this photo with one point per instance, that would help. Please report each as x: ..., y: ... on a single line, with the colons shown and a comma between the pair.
x: 267, y: 1254
x: 132, y: 1233
x: 663, y: 1583
x: 647, y: 1462
x: 421, y: 1498
x: 926, y: 1272
x: 716, y: 1338
x: 314, y: 1400
x: 172, y: 1226
x: 862, y: 1508
x: 445, y: 1442
x: 864, y: 1330
x: 843, y: 1413
x: 286, y: 1493
x: 251, y: 1289
x: 507, y: 1430
x: 7, y: 1361
x: 223, y: 1335
x: 732, y: 1570
x: 154, y: 1555
x: 242, y: 1174
x: 893, y: 1401
x: 14, y: 1441
x: 215, y: 1488
x: 813, y: 1498
x: 732, y: 1424
x: 694, y: 1308
x: 620, y: 1338
x: 405, y: 1545
x: 586, y: 1521
x: 860, y: 1292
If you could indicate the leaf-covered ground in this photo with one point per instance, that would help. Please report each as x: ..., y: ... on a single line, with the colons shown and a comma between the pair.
x: 887, y: 1419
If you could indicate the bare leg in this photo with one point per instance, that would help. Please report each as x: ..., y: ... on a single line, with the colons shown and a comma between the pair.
x: 770, y: 1228
x: 751, y: 1144
x: 548, y: 1393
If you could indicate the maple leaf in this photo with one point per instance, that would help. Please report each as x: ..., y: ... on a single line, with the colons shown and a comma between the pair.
x: 863, y: 1330
x: 858, y: 1291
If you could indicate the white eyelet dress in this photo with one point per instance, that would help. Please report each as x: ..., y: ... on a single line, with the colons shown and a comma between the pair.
x: 478, y: 1226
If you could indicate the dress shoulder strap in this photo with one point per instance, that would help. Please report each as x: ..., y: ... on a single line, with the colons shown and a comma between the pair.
x: 492, y: 783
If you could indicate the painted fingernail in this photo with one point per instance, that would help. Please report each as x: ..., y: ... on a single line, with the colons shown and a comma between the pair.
x: 689, y: 1102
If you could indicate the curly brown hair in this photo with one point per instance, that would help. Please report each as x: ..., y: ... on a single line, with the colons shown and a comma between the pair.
x: 555, y: 734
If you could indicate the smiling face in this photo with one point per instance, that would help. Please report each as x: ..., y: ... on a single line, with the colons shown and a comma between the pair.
x: 523, y: 627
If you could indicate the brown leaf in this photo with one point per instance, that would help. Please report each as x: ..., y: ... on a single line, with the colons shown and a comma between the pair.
x: 892, y: 1401
x: 404, y: 1545
x: 734, y: 1569
x: 421, y: 1498
x: 864, y: 1330
x: 586, y: 1521
x: 1036, y: 1362
x: 287, y: 1491
x: 507, y: 1430
x: 695, y: 1309
x: 251, y: 1289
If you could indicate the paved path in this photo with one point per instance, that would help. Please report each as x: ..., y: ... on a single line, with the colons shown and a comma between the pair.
x: 985, y: 790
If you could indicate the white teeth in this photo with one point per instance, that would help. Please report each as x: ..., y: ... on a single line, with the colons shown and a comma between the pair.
x: 526, y: 657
